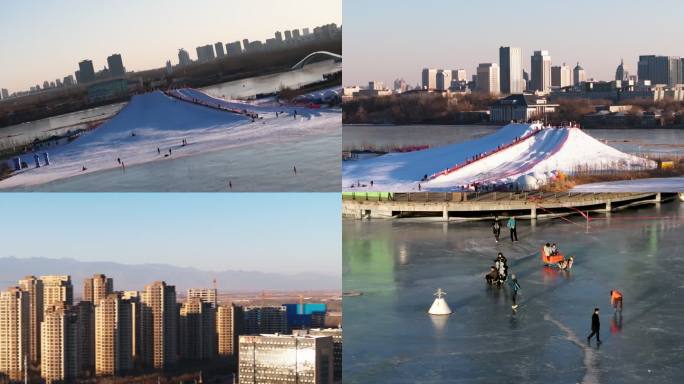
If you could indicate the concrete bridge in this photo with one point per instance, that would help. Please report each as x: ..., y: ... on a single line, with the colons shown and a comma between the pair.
x: 302, y: 62
x: 475, y: 206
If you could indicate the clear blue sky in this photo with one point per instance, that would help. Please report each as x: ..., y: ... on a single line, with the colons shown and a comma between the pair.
x: 385, y: 39
x: 45, y: 39
x: 271, y: 232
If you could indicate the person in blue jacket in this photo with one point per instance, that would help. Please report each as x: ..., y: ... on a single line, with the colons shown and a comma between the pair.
x: 512, y: 227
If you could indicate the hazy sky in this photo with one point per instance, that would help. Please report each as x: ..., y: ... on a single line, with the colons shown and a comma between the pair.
x: 276, y: 232
x: 45, y: 40
x: 386, y: 39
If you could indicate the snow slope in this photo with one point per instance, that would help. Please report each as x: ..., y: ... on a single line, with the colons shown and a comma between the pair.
x: 160, y: 121
x: 402, y: 171
x: 540, y: 155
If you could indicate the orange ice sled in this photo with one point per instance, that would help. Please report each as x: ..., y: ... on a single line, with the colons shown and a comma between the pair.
x: 551, y: 260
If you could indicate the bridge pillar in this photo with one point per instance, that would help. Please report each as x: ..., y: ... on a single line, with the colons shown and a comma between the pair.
x: 609, y: 206
x: 658, y: 197
x: 445, y: 213
x: 533, y: 212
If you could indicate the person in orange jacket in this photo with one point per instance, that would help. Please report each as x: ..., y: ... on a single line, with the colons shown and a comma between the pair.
x: 616, y: 299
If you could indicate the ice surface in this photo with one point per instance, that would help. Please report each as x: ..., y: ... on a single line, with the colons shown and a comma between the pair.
x: 397, y: 266
x: 160, y: 121
x: 540, y: 155
x: 669, y: 184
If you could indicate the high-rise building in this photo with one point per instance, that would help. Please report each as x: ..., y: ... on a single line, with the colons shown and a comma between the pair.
x: 621, y: 73
x: 205, y: 53
x: 133, y: 298
x: 561, y: 76
x: 279, y: 36
x: 305, y: 31
x: 86, y: 72
x: 459, y: 75
x: 578, y: 75
x: 219, y: 50
x: 295, y: 34
x: 115, y: 64
x: 336, y: 334
x: 113, y: 349
x: 68, y: 81
x: 34, y: 287
x: 400, y: 85
x: 97, y: 288
x: 59, y: 360
x: 666, y: 70
x: 510, y: 65
x: 229, y: 325
x: 5, y: 93
x: 265, y: 319
x: 233, y: 49
x: 443, y: 79
x: 85, y: 311
x: 207, y: 295
x: 488, y: 78
x: 541, y: 71
x: 14, y: 332
x: 183, y: 58
x: 197, y: 330
x: 159, y: 344
x: 286, y: 359
x: 288, y: 36
x: 57, y: 289
x: 245, y: 45
x: 429, y: 77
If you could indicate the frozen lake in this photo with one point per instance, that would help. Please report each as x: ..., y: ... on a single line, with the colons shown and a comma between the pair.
x: 389, y: 337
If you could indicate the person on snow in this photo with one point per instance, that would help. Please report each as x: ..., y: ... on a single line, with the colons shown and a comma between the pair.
x: 512, y: 228
x: 496, y: 228
x: 515, y: 286
x: 595, y: 327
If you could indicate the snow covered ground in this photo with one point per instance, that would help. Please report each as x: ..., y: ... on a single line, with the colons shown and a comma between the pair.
x: 160, y: 121
x: 669, y: 184
x: 537, y: 156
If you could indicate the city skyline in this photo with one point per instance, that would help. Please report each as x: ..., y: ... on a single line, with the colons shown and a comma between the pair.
x: 211, y: 232
x: 384, y: 41
x: 58, y: 30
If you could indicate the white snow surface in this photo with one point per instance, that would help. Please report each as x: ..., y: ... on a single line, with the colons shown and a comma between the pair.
x: 665, y: 184
x: 160, y: 121
x: 541, y: 155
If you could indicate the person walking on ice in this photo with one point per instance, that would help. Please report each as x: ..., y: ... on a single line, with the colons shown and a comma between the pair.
x: 496, y: 228
x: 595, y: 327
x: 512, y: 228
x: 515, y: 286
x: 616, y: 300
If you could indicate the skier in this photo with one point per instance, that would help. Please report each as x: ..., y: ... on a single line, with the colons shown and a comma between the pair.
x: 595, y: 327
x: 230, y: 185
x: 496, y: 228
x: 516, y: 287
x: 158, y: 151
x: 169, y: 151
x: 418, y: 186
x: 371, y: 183
x: 118, y: 159
x: 294, y: 168
x: 512, y: 227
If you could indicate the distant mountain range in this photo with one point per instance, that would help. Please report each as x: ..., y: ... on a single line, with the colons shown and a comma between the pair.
x: 135, y: 277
